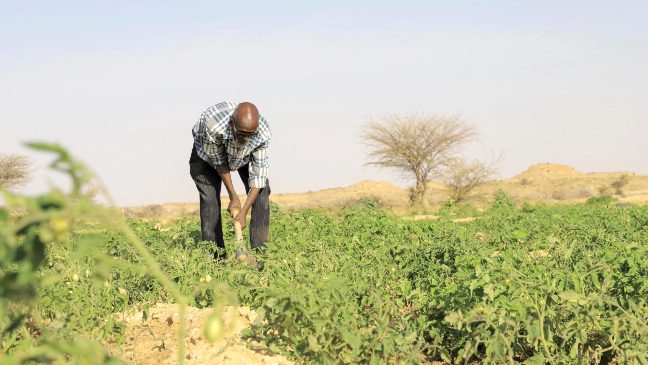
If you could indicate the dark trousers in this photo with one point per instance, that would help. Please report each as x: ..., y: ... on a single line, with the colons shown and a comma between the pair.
x: 209, y: 184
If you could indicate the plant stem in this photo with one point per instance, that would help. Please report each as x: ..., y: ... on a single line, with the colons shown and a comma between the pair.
x: 542, y: 333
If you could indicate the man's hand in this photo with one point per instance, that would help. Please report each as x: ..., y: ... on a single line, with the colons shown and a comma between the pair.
x: 252, y: 195
x: 234, y: 204
x: 241, y: 218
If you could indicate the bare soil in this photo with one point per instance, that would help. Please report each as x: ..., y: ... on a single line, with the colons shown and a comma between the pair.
x: 155, y: 340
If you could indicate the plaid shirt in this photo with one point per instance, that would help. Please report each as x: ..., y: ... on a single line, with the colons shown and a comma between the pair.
x: 214, y: 142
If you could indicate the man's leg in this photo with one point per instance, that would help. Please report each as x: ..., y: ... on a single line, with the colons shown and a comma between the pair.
x: 260, y: 221
x: 208, y: 183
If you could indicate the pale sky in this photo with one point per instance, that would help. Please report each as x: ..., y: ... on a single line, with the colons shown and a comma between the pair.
x: 121, y: 83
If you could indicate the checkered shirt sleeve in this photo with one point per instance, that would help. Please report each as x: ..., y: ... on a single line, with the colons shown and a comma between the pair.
x: 259, y: 166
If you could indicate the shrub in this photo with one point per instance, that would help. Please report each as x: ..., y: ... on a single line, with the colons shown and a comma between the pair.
x: 502, y: 200
x: 619, y: 184
x: 558, y: 195
x: 601, y: 200
x: 462, y: 177
x: 14, y: 171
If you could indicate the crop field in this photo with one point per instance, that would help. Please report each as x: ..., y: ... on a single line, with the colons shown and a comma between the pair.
x: 528, y: 284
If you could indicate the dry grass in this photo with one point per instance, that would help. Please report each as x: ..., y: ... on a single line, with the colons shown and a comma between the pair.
x: 14, y: 171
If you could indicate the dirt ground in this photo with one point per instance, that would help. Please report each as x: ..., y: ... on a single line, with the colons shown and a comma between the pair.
x: 541, y: 183
x: 155, y: 341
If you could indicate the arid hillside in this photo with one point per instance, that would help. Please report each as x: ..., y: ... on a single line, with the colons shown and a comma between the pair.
x: 545, y: 182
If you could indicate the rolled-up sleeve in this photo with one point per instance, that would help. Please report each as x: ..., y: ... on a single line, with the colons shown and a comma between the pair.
x: 259, y: 166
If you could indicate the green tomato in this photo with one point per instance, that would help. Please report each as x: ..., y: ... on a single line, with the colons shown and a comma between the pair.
x: 213, y: 327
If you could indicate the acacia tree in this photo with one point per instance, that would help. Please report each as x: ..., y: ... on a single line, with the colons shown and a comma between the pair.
x: 418, y: 145
x: 14, y: 170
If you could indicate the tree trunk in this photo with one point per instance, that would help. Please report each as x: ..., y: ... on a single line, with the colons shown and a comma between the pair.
x: 417, y: 193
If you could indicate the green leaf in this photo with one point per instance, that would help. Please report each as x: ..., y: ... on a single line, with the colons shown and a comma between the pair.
x: 595, y: 280
x: 520, y: 234
x: 47, y: 147
x: 313, y: 345
x: 489, y: 290
x: 454, y: 318
x: 353, y: 340
x: 374, y: 360
x: 571, y: 297
x: 534, y: 329
x: 445, y: 355
x: 271, y: 302
x: 573, y: 352
x: 537, y: 359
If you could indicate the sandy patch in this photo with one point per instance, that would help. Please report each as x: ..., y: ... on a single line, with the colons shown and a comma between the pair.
x: 155, y: 341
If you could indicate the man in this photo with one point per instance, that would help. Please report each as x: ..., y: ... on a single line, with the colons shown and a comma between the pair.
x: 231, y: 137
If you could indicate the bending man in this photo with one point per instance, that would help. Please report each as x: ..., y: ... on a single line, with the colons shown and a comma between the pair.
x: 231, y: 137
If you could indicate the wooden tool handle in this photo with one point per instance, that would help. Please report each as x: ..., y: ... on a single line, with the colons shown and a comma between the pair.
x: 237, y: 226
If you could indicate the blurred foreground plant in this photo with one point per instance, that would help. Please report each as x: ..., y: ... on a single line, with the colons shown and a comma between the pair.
x: 28, y: 226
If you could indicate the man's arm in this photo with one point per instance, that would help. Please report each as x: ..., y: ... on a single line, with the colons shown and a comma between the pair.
x: 252, y: 195
x: 224, y: 173
x: 257, y: 181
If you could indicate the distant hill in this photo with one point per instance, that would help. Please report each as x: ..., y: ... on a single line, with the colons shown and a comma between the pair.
x: 549, y: 182
x: 544, y: 182
x: 548, y: 171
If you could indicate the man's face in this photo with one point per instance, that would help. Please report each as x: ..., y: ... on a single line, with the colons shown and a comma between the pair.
x: 241, y: 136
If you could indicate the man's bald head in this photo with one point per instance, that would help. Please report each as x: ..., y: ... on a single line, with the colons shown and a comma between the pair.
x: 246, y: 117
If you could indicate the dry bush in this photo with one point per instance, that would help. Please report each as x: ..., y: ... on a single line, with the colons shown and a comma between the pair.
x: 463, y: 176
x: 418, y: 145
x: 559, y: 195
x: 14, y: 171
x: 603, y: 190
x: 584, y: 193
x: 619, y: 184
x: 150, y: 211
